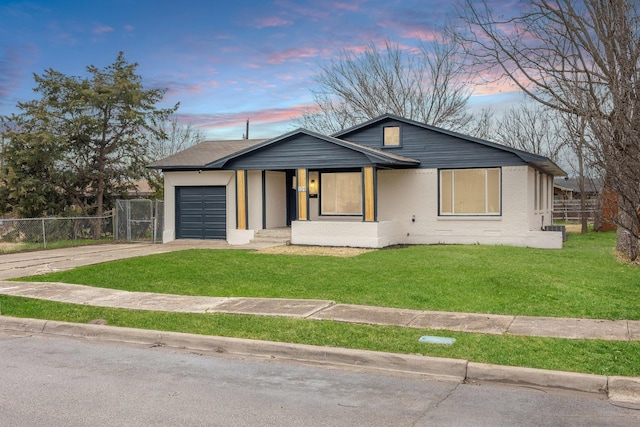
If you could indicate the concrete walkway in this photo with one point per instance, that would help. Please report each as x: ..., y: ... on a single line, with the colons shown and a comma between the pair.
x: 23, y: 264
x: 620, y: 330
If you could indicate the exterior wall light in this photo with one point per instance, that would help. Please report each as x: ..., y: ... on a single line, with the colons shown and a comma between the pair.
x: 313, y: 188
x: 313, y: 184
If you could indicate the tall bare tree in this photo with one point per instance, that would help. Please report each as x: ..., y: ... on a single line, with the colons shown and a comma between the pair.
x: 531, y: 127
x: 577, y: 137
x: 175, y: 137
x: 426, y: 86
x: 579, y: 57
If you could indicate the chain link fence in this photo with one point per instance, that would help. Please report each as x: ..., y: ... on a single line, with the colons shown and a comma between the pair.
x: 40, y: 232
x: 139, y: 220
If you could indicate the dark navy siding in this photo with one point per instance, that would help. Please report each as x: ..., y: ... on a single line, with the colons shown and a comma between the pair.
x: 299, y: 151
x: 433, y: 149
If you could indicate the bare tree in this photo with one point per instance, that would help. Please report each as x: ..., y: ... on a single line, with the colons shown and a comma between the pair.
x: 580, y: 57
x: 482, y: 125
x: 576, y: 135
x: 533, y: 128
x: 426, y: 86
x: 178, y: 138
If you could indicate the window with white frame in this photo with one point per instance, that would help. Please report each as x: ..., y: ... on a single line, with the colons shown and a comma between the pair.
x: 341, y: 193
x: 470, y: 191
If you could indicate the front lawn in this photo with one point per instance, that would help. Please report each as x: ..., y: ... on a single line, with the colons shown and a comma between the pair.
x: 582, y: 280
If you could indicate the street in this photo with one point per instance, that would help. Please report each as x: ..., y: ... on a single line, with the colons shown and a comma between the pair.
x: 57, y: 381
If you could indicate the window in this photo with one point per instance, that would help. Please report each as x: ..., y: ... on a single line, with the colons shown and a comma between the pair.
x: 541, y: 187
x: 470, y: 191
x: 391, y: 136
x: 536, y: 192
x: 341, y: 193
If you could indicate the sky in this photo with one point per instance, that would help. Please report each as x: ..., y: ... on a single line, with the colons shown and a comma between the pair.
x: 223, y: 61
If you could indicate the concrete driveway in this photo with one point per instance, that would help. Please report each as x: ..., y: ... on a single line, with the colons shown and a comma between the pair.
x: 46, y: 261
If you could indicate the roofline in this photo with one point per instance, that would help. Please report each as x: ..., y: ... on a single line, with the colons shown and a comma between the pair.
x: 371, y: 153
x: 523, y: 155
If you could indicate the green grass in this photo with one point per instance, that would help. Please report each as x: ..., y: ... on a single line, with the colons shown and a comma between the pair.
x: 582, y: 280
x: 28, y: 246
x: 596, y: 357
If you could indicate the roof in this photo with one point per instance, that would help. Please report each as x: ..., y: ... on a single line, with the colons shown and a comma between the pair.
x: 375, y: 156
x: 541, y: 162
x: 217, y: 154
x: 204, y: 153
x: 591, y: 185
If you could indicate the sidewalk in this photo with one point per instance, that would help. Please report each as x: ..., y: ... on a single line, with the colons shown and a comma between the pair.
x: 616, y: 330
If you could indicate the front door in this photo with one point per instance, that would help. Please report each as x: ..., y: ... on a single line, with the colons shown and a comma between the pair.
x: 292, y: 196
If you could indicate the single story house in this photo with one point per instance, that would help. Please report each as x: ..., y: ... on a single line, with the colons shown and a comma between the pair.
x: 384, y: 182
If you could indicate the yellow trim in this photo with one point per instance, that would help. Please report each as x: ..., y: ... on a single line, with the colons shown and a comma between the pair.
x: 241, y: 199
x: 302, y: 195
x: 369, y: 196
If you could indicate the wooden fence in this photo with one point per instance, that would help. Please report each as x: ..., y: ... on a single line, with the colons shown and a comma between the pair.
x: 570, y: 210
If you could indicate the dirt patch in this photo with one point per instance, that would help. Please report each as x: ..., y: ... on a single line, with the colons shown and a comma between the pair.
x: 573, y: 228
x: 10, y: 247
x: 315, y: 251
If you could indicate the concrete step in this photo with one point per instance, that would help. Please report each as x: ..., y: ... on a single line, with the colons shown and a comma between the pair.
x: 275, y: 235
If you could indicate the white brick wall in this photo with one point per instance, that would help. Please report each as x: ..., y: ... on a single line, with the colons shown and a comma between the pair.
x: 407, y: 212
x: 407, y: 194
x: 179, y: 179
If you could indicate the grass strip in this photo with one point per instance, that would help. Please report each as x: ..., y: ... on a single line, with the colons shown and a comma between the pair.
x: 586, y: 356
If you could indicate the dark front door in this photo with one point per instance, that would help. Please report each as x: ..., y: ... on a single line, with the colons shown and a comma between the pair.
x: 201, y: 212
x: 292, y: 194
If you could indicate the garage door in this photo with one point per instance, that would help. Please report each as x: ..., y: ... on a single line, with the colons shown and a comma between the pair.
x: 201, y: 212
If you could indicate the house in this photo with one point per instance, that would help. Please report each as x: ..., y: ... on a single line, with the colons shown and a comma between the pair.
x: 384, y: 182
x: 569, y: 188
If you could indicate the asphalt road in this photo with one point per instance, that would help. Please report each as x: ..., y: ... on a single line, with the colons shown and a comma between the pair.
x: 57, y: 381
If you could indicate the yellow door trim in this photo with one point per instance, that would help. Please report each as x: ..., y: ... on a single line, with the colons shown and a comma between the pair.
x: 369, y: 195
x: 303, y: 200
x: 241, y: 199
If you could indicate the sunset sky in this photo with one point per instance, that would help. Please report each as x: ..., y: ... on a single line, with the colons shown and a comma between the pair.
x: 224, y: 61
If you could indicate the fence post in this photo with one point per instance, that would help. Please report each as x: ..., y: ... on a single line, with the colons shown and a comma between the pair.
x: 114, y: 221
x: 44, y: 236
x: 128, y: 207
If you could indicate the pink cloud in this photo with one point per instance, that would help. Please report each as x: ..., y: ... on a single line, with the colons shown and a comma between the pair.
x: 129, y: 28
x: 352, y: 7
x: 224, y: 120
x: 282, y: 76
x: 292, y: 54
x: 194, y: 88
x: 272, y: 21
x: 101, y: 29
x: 419, y: 31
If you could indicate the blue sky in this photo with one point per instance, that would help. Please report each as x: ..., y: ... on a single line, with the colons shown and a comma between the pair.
x: 224, y: 61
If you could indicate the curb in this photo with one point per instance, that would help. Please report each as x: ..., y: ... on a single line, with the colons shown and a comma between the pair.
x: 623, y: 389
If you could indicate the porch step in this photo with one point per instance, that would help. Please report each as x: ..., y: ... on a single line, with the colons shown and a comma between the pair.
x: 273, y: 235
